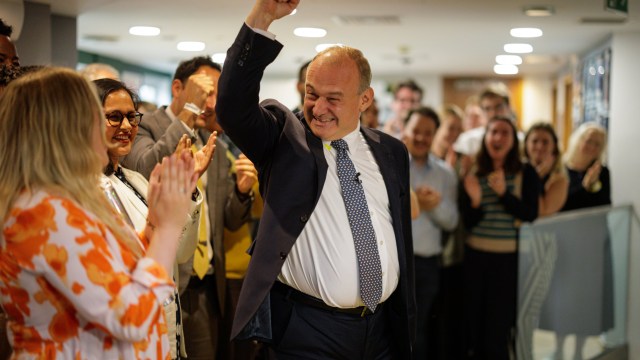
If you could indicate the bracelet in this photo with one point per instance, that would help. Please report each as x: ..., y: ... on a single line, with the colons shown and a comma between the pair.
x: 193, y: 108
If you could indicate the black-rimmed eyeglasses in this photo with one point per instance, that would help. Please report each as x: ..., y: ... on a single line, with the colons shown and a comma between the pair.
x: 115, y: 118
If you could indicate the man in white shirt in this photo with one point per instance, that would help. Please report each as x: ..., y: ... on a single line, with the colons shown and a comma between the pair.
x: 435, y: 184
x: 305, y: 291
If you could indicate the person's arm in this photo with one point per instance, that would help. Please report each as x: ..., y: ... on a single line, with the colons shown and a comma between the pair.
x: 470, y: 209
x: 80, y: 260
x: 554, y: 196
x: 148, y: 151
x: 254, y: 129
x: 524, y: 208
x: 446, y: 215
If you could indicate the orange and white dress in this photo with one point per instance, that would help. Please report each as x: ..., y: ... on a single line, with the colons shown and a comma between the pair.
x: 71, y: 290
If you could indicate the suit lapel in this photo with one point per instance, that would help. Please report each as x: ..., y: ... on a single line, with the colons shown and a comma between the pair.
x: 385, y: 161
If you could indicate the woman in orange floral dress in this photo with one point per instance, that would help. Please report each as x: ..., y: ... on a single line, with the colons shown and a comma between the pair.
x: 75, y: 281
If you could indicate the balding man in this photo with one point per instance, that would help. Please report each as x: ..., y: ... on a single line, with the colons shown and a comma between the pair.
x: 331, y: 274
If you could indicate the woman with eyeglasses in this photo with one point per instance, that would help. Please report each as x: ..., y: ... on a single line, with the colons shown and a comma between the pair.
x: 122, y: 120
x: 75, y: 281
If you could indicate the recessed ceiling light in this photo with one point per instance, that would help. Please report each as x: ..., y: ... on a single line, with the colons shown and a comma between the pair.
x: 538, y: 10
x: 505, y: 69
x: 219, y: 57
x: 518, y: 48
x: 144, y: 30
x: 322, y: 47
x: 310, y: 32
x: 190, y: 46
x: 508, y: 60
x: 526, y: 32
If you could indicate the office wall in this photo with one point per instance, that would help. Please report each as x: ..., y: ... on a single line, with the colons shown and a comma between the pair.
x: 536, y: 100
x: 624, y: 131
x: 34, y: 44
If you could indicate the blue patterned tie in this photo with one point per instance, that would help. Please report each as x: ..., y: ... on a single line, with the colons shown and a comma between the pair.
x: 364, y: 237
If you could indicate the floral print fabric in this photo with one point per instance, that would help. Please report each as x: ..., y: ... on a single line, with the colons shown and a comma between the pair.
x: 71, y: 290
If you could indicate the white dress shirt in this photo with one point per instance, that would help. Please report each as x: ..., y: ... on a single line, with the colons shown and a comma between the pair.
x: 322, y: 262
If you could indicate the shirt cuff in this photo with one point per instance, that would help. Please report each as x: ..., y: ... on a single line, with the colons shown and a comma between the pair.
x: 264, y: 33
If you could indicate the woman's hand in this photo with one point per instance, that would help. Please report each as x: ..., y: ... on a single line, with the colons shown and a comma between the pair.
x: 497, y: 182
x: 592, y: 176
x: 170, y: 186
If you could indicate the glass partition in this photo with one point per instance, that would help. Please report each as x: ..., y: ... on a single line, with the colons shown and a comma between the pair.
x: 572, y: 289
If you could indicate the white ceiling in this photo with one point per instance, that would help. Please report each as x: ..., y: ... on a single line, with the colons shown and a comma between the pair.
x: 446, y: 37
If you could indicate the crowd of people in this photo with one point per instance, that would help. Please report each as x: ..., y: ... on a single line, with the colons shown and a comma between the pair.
x: 218, y: 227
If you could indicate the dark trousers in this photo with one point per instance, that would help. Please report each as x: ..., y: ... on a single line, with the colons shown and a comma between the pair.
x: 447, y: 316
x: 427, y: 279
x: 201, y: 318
x: 491, y: 296
x: 236, y: 349
x: 303, y: 331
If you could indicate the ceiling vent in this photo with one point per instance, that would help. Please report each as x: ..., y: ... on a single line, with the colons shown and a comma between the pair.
x: 603, y: 21
x: 367, y: 20
x: 101, y: 38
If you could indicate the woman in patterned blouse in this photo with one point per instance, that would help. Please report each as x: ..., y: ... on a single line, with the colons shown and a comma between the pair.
x: 75, y: 281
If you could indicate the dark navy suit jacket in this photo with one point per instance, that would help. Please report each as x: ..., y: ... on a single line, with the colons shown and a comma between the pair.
x: 292, y: 170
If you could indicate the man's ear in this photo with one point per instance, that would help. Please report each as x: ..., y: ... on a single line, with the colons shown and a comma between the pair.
x: 176, y: 88
x: 366, y: 99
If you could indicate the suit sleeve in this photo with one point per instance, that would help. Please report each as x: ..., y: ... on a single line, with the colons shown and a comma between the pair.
x: 148, y: 151
x: 253, y: 128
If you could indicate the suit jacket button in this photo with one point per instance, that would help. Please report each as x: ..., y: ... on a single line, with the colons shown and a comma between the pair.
x: 283, y: 255
x: 304, y: 218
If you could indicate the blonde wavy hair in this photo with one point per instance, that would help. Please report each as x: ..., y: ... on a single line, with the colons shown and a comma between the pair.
x: 46, y: 122
x: 578, y: 136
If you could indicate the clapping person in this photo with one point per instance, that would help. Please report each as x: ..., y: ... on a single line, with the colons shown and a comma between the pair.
x: 122, y: 119
x: 75, y: 280
x: 543, y: 153
x: 588, y: 177
x: 499, y: 193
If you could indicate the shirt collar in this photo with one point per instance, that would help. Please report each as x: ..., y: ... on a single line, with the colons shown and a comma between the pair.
x: 352, y: 139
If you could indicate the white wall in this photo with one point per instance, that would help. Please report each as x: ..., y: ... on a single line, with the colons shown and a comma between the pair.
x: 624, y: 131
x: 536, y: 100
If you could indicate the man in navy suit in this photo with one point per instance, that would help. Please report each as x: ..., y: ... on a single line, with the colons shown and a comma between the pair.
x: 302, y: 291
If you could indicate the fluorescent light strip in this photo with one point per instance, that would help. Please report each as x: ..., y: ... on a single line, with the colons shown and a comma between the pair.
x: 144, y: 31
x: 518, y: 48
x: 526, y: 32
x: 310, y: 32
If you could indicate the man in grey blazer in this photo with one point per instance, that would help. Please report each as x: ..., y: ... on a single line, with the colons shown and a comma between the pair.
x: 305, y: 292
x: 228, y: 200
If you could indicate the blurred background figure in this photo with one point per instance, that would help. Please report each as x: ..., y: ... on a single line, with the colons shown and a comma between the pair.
x: 493, y: 101
x: 542, y: 151
x: 97, y: 71
x: 473, y: 115
x: 369, y: 117
x: 407, y: 96
x: 448, y: 132
x: 300, y: 85
x: 145, y: 107
x: 575, y: 289
x: 8, y: 52
x: 435, y: 184
x: 499, y: 193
